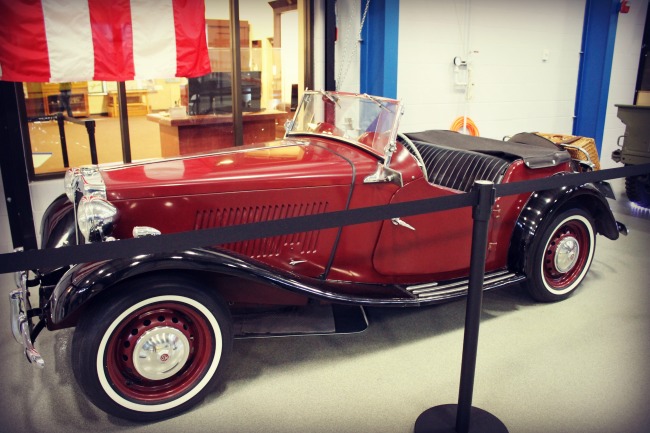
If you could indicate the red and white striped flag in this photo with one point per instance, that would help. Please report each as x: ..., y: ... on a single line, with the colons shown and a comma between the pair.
x: 117, y: 40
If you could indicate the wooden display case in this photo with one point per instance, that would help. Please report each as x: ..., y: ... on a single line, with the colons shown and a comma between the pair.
x: 78, y: 98
x: 219, y: 33
x: 187, y: 135
x: 219, y: 45
x: 137, y: 103
x: 42, y: 99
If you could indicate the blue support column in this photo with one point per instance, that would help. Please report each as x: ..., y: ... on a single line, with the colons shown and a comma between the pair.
x: 598, y: 35
x: 379, y: 48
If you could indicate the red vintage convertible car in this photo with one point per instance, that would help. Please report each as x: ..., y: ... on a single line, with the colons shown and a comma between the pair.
x: 154, y: 331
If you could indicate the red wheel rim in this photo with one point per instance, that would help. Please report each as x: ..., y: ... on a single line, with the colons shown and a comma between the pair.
x: 119, y: 358
x: 561, y: 269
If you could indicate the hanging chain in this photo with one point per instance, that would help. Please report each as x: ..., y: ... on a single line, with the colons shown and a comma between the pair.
x: 363, y: 19
x: 346, y: 60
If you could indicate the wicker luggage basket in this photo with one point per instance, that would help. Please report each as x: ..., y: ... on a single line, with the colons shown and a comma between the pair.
x: 580, y: 148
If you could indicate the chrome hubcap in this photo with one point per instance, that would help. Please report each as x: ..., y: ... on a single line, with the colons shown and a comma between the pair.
x: 160, y: 353
x: 566, y: 254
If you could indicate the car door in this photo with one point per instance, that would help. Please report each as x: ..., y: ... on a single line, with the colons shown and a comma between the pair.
x: 435, y: 243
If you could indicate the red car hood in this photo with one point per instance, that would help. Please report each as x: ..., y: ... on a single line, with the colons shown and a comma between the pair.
x: 282, y: 164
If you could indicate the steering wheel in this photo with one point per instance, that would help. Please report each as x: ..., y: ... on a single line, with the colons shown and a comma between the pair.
x: 415, y: 152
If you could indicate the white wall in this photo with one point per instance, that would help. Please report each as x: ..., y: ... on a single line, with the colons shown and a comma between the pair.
x: 514, y: 88
x: 42, y: 194
x: 629, y: 37
x: 258, y: 13
x: 289, y: 55
x: 319, y: 44
x: 347, y: 49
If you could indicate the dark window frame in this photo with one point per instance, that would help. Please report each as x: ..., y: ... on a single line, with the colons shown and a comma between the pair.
x: 279, y: 6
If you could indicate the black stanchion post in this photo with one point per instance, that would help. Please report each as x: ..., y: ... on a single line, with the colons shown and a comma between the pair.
x: 90, y: 127
x: 64, y: 146
x: 463, y: 418
x: 124, y: 122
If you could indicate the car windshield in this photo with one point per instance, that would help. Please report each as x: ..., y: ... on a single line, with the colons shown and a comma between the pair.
x: 362, y: 119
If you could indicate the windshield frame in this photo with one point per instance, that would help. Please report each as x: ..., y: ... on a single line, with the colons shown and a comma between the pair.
x: 314, y: 100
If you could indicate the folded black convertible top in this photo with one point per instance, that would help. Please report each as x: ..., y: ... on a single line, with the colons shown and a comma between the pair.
x: 535, y: 151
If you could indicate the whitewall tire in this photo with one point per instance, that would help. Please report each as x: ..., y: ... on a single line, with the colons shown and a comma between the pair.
x: 561, y: 256
x: 153, y: 349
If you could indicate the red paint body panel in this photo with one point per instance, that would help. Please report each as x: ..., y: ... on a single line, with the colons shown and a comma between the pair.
x: 440, y: 243
x: 307, y: 176
x: 507, y: 209
x: 255, y: 184
x: 353, y: 260
x: 276, y: 166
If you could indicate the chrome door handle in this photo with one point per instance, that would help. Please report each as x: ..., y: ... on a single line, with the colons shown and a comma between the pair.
x: 399, y: 222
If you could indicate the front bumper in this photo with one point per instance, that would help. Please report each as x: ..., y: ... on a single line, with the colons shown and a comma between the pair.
x: 20, y: 320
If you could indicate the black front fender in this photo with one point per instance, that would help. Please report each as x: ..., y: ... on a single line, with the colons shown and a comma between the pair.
x: 58, y: 227
x: 544, y: 205
x: 84, y: 282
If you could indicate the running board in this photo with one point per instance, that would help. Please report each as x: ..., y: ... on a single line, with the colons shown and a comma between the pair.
x: 437, y: 291
x: 311, y: 319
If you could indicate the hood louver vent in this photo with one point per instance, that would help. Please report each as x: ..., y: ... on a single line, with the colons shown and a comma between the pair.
x: 305, y: 242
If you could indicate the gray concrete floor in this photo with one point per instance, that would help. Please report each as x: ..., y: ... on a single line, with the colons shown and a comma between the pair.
x: 575, y: 366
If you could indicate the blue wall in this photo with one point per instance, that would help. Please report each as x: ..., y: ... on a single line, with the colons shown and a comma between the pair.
x: 379, y: 48
x: 599, y: 33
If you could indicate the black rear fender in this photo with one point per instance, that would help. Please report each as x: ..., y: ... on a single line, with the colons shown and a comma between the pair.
x: 544, y: 205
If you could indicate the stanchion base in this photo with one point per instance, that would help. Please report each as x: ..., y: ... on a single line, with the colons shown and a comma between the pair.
x: 442, y: 419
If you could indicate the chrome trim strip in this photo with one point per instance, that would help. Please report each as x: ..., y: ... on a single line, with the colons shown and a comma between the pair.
x: 433, y: 290
x: 421, y: 286
x: 487, y: 279
x: 142, y: 231
x: 589, y: 162
x: 20, y: 323
x: 14, y: 314
x: 551, y: 160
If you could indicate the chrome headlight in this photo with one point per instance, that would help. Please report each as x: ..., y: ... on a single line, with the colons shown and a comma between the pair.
x: 95, y: 217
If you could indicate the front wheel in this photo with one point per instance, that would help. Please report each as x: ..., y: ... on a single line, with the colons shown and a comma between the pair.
x: 560, y: 257
x: 153, y: 350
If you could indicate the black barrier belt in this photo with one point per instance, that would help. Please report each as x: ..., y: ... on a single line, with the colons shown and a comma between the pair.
x: 570, y: 180
x: 56, y: 257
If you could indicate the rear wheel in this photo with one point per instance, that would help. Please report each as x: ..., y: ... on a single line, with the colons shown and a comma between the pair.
x: 561, y: 256
x: 154, y: 351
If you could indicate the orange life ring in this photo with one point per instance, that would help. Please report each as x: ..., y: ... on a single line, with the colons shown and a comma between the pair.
x: 468, y: 123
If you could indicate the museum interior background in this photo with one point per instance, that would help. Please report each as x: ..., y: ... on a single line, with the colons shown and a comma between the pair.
x: 518, y: 74
x: 521, y: 73
x: 173, y: 116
